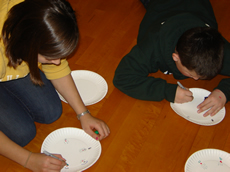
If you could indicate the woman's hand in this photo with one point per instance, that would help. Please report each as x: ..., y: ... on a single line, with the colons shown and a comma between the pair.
x: 39, y: 162
x: 90, y: 124
x: 215, y: 102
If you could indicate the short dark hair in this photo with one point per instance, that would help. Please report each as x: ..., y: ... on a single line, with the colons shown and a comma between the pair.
x: 46, y: 27
x: 201, y: 49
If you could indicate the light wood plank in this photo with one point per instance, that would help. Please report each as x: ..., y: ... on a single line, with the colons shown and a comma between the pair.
x: 145, y: 136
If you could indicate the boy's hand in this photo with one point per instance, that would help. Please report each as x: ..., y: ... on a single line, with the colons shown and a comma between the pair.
x: 215, y: 101
x: 183, y: 96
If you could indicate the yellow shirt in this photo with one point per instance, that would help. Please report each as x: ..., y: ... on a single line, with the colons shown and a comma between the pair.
x: 9, y: 73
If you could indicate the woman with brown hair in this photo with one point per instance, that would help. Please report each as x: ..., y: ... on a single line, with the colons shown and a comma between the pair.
x: 37, y: 34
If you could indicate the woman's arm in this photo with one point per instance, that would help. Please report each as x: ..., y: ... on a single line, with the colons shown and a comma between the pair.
x: 12, y: 151
x: 33, y: 161
x: 66, y: 87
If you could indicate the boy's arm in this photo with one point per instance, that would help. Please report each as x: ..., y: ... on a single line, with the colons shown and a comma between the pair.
x: 131, y: 77
x: 221, y: 94
x: 224, y: 84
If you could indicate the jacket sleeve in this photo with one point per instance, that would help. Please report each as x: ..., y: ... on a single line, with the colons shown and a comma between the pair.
x: 132, y: 77
x: 224, y: 84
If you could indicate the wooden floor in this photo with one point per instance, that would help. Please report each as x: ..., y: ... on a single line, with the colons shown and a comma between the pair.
x: 145, y: 136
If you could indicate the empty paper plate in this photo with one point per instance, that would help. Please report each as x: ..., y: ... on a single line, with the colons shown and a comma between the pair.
x: 91, y: 86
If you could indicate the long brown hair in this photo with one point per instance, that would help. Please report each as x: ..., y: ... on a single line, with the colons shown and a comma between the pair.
x: 46, y: 27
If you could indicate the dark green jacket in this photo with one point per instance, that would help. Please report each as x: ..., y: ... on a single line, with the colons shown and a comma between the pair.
x: 164, y: 22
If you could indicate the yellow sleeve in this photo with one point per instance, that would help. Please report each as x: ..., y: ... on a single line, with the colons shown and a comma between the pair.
x: 55, y: 72
x: 2, y: 64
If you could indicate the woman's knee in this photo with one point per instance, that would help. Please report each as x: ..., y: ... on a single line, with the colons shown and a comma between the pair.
x: 26, y: 137
x: 55, y: 115
x: 50, y: 114
x: 23, y: 135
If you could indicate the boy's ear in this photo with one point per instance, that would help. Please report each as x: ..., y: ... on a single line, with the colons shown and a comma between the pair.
x: 175, y: 57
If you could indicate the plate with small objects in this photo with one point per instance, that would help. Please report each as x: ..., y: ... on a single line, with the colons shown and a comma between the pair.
x: 208, y: 160
x: 92, y: 87
x: 79, y: 149
x: 189, y: 110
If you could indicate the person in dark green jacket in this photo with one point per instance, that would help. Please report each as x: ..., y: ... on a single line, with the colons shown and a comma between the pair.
x: 178, y: 37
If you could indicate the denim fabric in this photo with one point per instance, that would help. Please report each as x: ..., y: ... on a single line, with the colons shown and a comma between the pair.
x: 22, y: 103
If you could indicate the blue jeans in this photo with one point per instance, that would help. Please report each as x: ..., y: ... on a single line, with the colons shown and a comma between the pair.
x: 22, y: 103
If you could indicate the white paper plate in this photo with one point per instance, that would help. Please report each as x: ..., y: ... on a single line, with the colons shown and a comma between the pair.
x: 79, y: 149
x: 91, y: 86
x: 208, y: 160
x: 189, y: 110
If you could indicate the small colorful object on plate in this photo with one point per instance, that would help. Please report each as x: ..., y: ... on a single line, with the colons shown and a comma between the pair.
x: 79, y: 149
x: 189, y: 110
x: 208, y: 160
x: 91, y: 86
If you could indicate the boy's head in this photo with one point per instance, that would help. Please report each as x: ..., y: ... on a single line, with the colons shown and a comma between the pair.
x: 200, y: 52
